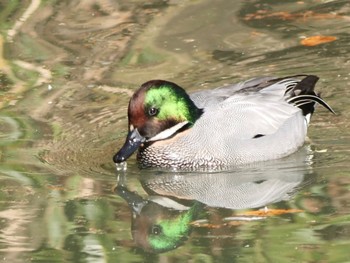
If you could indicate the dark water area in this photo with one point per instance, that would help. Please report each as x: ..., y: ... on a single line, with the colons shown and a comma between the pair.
x: 67, y: 71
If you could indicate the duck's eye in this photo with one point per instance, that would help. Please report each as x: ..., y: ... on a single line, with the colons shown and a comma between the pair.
x: 153, y: 111
x: 156, y: 230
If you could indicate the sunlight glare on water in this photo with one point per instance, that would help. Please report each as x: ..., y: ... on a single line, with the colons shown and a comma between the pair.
x: 67, y: 71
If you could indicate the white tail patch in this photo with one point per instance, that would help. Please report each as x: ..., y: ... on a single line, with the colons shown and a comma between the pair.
x: 308, y: 118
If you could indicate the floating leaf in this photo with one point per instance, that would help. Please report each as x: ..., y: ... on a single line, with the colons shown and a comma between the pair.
x: 244, y: 217
x: 285, y: 15
x: 56, y: 187
x: 317, y: 40
x: 270, y: 212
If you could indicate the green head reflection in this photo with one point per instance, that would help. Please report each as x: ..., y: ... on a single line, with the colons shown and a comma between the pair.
x: 158, y: 228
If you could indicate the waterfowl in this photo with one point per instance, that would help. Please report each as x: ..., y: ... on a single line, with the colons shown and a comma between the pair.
x: 159, y: 224
x: 257, y: 120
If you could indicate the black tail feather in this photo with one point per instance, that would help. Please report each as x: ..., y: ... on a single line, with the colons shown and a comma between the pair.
x: 304, y: 96
x: 305, y: 101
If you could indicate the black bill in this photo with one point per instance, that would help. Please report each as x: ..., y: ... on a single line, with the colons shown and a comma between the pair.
x: 132, y: 142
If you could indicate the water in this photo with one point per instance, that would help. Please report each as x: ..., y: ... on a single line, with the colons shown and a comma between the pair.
x: 67, y: 70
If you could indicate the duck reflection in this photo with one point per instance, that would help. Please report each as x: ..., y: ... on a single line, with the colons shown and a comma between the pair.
x: 251, y: 186
x: 162, y: 222
x: 226, y: 190
x: 159, y: 224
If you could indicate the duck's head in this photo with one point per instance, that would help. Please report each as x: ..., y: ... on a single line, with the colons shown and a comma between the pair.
x: 159, y: 224
x: 157, y: 110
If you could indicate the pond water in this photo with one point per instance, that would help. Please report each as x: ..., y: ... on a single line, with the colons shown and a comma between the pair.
x: 67, y: 70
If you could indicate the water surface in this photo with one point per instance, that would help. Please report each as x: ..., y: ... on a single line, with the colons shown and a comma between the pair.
x: 67, y: 70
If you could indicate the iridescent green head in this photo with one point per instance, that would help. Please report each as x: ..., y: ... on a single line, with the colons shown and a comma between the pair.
x: 159, y: 105
x: 159, y: 229
x: 158, y: 110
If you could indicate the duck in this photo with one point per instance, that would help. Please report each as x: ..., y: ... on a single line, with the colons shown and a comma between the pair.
x: 158, y: 223
x: 256, y: 120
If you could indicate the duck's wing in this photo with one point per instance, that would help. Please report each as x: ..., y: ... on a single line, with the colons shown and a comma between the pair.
x: 248, y: 116
x: 247, y: 110
x: 260, y: 106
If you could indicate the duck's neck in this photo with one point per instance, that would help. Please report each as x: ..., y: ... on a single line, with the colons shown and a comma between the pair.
x: 195, y: 113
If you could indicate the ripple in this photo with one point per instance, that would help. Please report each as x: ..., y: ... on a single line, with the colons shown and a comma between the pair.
x: 9, y: 130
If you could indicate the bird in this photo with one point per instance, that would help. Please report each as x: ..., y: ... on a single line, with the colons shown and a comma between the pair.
x: 260, y: 119
x: 159, y: 224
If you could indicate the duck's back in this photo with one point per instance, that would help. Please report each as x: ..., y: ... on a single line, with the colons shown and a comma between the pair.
x: 206, y: 98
